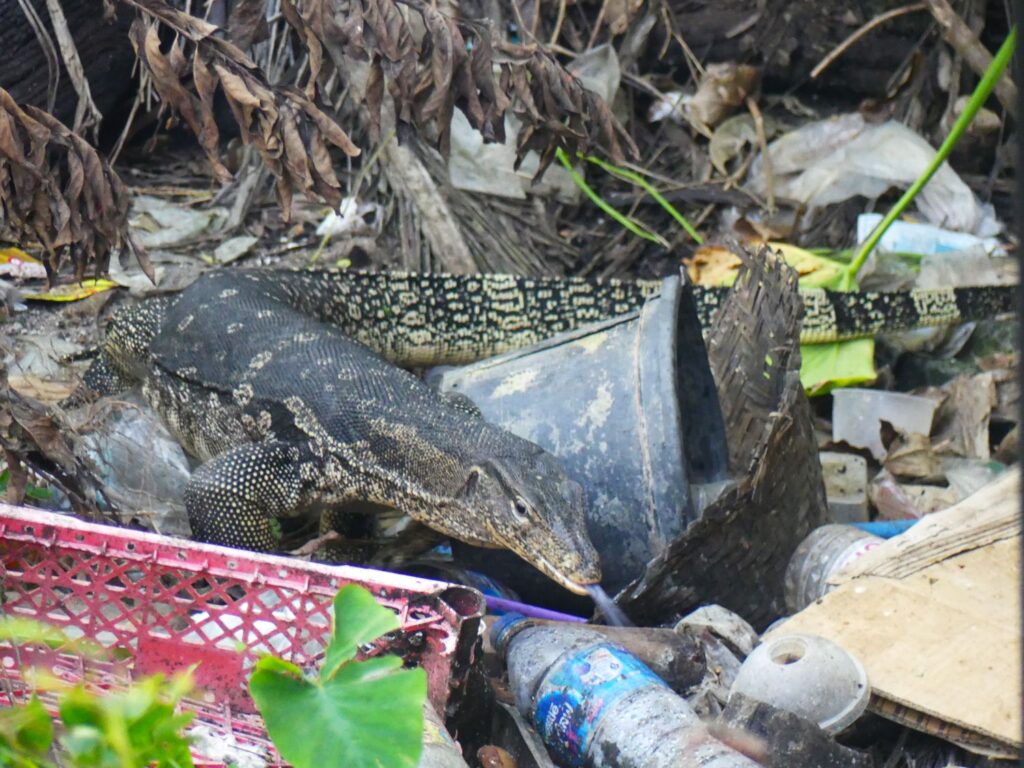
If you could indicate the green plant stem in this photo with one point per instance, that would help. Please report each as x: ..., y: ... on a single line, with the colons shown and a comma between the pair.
x: 978, y: 98
x: 647, y: 187
x: 597, y: 200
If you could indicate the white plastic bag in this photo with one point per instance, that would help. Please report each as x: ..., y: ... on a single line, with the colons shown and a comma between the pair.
x: 832, y: 160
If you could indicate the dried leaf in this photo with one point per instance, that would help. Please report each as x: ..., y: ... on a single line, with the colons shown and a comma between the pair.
x: 963, y: 419
x: 722, y: 88
x: 247, y: 24
x: 285, y: 125
x: 56, y: 190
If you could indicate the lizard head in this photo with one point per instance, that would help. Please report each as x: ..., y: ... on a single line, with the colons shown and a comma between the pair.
x: 530, y: 506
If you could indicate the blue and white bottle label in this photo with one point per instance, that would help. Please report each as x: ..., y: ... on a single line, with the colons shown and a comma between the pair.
x: 576, y: 695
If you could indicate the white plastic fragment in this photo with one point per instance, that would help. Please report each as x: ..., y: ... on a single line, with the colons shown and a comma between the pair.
x: 350, y: 218
x: 723, y: 623
x: 857, y: 416
x: 475, y: 166
x: 809, y: 676
x: 846, y: 486
x: 925, y: 239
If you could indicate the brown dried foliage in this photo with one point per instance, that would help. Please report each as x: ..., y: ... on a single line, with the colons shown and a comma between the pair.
x: 33, y: 434
x: 429, y: 78
x: 286, y: 127
x: 56, y: 190
x: 429, y: 73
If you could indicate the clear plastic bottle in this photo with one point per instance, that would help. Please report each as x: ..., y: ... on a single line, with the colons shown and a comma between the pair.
x: 825, y: 551
x: 595, y: 705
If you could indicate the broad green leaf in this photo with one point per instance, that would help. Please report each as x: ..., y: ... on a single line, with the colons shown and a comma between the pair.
x: 84, y: 743
x: 27, y: 728
x: 840, y: 364
x: 358, y: 619
x: 368, y: 715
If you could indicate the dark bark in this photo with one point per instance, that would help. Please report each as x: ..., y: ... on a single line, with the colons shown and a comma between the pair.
x: 789, y: 38
x: 102, y: 46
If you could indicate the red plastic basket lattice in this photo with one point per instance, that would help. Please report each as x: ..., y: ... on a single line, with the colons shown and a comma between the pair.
x: 172, y: 603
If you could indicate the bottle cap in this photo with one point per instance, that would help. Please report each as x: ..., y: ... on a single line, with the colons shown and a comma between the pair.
x: 505, y: 628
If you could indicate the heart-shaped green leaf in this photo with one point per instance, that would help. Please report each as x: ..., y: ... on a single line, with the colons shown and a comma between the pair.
x: 356, y: 714
x: 358, y: 619
x: 368, y: 715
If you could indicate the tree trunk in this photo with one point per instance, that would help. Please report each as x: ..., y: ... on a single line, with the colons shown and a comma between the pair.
x: 102, y: 46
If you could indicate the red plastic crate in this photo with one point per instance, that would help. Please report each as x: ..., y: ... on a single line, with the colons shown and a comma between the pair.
x: 171, y: 603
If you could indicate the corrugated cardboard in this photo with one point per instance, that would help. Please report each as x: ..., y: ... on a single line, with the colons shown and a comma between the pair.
x: 934, y: 616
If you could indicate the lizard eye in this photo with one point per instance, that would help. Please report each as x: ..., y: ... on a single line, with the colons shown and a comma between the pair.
x: 520, y: 510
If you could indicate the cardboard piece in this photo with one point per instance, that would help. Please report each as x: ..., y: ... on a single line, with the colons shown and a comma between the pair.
x: 934, y: 615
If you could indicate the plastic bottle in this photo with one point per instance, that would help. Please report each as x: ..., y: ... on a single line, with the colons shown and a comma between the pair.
x: 676, y: 658
x: 825, y: 551
x: 595, y: 705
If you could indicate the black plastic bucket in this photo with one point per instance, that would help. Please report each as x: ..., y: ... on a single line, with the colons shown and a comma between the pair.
x: 629, y: 406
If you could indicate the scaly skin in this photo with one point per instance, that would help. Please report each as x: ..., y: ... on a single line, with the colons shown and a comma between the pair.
x: 290, y: 414
x: 256, y: 372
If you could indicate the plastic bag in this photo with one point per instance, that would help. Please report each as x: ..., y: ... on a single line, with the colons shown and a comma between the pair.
x: 832, y: 160
x: 144, y: 470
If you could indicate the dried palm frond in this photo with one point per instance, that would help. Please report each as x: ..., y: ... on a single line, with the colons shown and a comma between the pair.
x: 55, y: 189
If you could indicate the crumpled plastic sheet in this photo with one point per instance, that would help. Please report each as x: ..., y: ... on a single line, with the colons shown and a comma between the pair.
x: 828, y: 161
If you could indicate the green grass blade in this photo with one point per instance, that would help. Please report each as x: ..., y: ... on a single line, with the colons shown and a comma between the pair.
x: 625, y: 221
x: 647, y: 187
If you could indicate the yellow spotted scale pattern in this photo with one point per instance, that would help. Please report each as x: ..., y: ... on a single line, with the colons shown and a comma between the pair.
x: 280, y: 382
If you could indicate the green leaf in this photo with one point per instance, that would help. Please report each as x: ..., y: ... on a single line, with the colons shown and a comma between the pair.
x: 27, y: 728
x: 21, y: 631
x: 633, y: 226
x: 136, y: 728
x: 368, y: 715
x: 279, y: 666
x: 358, y: 619
x: 840, y: 364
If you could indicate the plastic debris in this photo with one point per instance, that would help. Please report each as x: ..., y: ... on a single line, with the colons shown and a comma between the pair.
x: 14, y: 262
x: 925, y: 239
x: 349, y: 219
x: 934, y: 617
x: 678, y: 658
x: 731, y: 136
x: 144, y: 469
x: 596, y: 705
x: 846, y: 486
x: 832, y: 160
x: 790, y: 740
x: 599, y: 71
x: 886, y: 529
x: 825, y: 551
x: 808, y: 676
x: 723, y: 624
x: 857, y: 416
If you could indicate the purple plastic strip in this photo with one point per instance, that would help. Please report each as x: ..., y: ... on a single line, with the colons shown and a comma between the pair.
x: 533, y: 611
